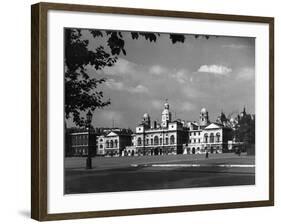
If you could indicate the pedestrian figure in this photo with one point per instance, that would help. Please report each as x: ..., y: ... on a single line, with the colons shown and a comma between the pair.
x: 207, y: 155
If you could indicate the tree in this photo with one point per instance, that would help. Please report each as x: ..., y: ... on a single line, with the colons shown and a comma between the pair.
x: 81, y: 92
x: 246, y: 129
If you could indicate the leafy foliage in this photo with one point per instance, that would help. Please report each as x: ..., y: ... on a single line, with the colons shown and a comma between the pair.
x: 246, y: 129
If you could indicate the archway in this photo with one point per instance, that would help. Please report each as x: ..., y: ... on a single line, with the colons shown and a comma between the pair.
x: 206, y: 138
x: 156, y: 140
x: 212, y: 138
x: 156, y: 151
x: 193, y: 150
x: 139, y: 141
x: 218, y: 149
x: 172, y: 139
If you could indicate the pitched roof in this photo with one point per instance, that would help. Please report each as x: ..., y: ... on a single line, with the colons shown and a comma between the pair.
x: 214, y: 126
x: 112, y: 133
x: 119, y: 132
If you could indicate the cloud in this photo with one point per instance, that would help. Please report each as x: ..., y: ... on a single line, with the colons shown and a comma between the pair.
x: 115, y: 85
x: 157, y: 70
x: 121, y: 67
x: 120, y: 86
x: 138, y: 89
x: 215, y: 69
x: 246, y: 74
x: 181, y: 76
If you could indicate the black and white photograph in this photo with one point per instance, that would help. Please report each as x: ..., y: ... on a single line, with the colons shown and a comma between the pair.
x: 157, y: 111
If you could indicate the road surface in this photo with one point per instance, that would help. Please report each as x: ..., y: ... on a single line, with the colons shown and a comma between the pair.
x: 158, y: 172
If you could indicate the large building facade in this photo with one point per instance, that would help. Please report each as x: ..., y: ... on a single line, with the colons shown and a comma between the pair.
x: 168, y: 137
x: 79, y: 142
x: 206, y: 136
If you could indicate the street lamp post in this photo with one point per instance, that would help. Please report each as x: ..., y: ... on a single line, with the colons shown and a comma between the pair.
x: 89, y: 117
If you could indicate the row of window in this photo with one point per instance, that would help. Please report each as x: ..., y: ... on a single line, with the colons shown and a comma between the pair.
x: 212, y: 138
x: 194, y: 140
x: 157, y: 141
x: 111, y: 144
x: 79, y: 140
x: 194, y: 133
x: 81, y: 151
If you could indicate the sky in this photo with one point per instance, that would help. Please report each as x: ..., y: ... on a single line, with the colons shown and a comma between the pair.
x: 216, y: 73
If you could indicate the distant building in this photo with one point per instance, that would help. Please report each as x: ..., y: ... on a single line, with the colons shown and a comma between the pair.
x: 216, y: 137
x: 80, y: 141
x: 167, y: 137
x: 114, y: 142
x: 100, y: 141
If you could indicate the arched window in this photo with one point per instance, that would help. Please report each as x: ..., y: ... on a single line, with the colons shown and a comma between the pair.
x: 107, y: 144
x: 115, y: 143
x: 111, y: 143
x: 101, y: 146
x: 172, y: 140
x: 211, y: 138
x: 147, y: 141
x: 218, y: 137
x: 156, y: 140
x: 206, y: 138
x: 160, y: 141
x: 167, y: 140
x: 151, y: 141
x: 139, y: 141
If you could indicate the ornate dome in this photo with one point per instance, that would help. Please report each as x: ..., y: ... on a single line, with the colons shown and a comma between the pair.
x: 203, y: 110
x: 146, y: 115
x: 166, y: 105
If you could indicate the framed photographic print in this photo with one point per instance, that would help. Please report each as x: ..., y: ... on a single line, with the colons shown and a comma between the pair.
x: 139, y: 111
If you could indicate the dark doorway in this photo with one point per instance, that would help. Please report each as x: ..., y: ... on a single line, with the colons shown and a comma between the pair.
x: 156, y: 151
x: 193, y: 150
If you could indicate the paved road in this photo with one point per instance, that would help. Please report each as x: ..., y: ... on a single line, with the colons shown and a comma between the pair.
x: 140, y: 173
